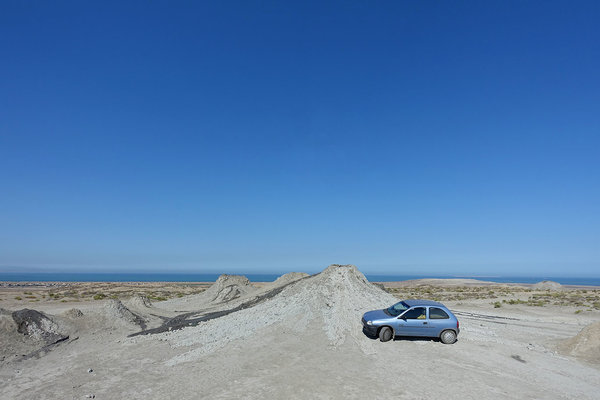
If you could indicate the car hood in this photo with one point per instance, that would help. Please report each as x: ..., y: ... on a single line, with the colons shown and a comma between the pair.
x: 375, y: 315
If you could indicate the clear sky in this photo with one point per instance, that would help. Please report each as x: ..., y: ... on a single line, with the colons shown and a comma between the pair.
x: 425, y: 137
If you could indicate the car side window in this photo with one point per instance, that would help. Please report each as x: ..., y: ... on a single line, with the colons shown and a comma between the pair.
x: 437, y: 313
x: 415, y: 313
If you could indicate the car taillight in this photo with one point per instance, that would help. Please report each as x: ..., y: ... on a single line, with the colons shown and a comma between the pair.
x: 456, y: 324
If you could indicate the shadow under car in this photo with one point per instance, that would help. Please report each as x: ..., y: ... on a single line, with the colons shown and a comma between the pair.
x: 403, y: 338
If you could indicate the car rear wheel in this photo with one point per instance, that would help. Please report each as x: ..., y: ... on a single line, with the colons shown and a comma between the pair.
x: 448, y: 337
x: 385, y: 334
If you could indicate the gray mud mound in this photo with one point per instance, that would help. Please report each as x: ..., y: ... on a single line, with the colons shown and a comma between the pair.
x: 335, y: 300
x: 139, y: 301
x: 37, y: 325
x: 289, y: 278
x: 341, y: 293
x: 115, y: 310
x: 585, y: 345
x: 227, y: 288
x: 27, y: 333
x: 73, y: 313
x: 547, y: 285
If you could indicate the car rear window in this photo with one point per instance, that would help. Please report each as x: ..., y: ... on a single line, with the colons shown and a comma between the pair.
x: 437, y: 313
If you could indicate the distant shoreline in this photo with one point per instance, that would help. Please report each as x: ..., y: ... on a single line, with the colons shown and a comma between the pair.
x: 208, y: 278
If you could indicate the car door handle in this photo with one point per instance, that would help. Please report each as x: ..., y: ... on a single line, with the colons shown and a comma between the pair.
x: 424, y: 323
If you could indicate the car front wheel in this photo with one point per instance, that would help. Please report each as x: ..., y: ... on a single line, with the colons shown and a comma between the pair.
x: 448, y: 337
x: 385, y: 334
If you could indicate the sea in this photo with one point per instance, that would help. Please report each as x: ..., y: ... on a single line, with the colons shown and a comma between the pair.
x: 191, y: 277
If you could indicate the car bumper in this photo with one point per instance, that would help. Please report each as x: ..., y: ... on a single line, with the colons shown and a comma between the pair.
x: 370, y: 330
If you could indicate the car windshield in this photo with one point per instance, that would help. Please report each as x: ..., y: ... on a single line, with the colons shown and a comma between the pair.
x: 397, y: 309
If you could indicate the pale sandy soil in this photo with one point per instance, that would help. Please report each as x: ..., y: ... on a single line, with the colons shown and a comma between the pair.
x: 300, y: 338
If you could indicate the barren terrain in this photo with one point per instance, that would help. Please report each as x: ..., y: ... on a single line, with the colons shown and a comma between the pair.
x: 299, y: 337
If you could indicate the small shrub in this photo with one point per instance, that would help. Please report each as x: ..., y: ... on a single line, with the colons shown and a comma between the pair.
x: 18, y: 298
x: 497, y: 304
x: 578, y: 311
x: 540, y: 303
x: 99, y: 296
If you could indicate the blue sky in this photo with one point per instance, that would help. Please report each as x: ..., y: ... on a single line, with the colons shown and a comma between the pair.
x: 412, y: 137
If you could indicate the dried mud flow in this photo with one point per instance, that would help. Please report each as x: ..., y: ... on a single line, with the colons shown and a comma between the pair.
x: 196, y: 317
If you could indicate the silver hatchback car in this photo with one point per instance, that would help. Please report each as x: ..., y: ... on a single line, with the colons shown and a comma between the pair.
x: 423, y: 318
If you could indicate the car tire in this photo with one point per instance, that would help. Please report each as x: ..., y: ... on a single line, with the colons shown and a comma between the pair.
x: 385, y: 334
x: 448, y: 336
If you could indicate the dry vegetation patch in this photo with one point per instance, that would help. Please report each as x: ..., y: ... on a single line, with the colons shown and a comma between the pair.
x: 588, y: 299
x: 86, y: 291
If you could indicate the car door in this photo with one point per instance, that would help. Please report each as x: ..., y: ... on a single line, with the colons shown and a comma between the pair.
x: 438, y: 320
x: 413, y: 322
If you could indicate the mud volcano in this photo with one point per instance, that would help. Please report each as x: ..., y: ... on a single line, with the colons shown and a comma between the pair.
x: 37, y: 325
x: 335, y: 298
x: 228, y: 287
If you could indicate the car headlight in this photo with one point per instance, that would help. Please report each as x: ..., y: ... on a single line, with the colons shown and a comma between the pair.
x: 369, y: 322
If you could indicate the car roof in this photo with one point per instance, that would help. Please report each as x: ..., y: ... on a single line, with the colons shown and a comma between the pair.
x: 421, y: 302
